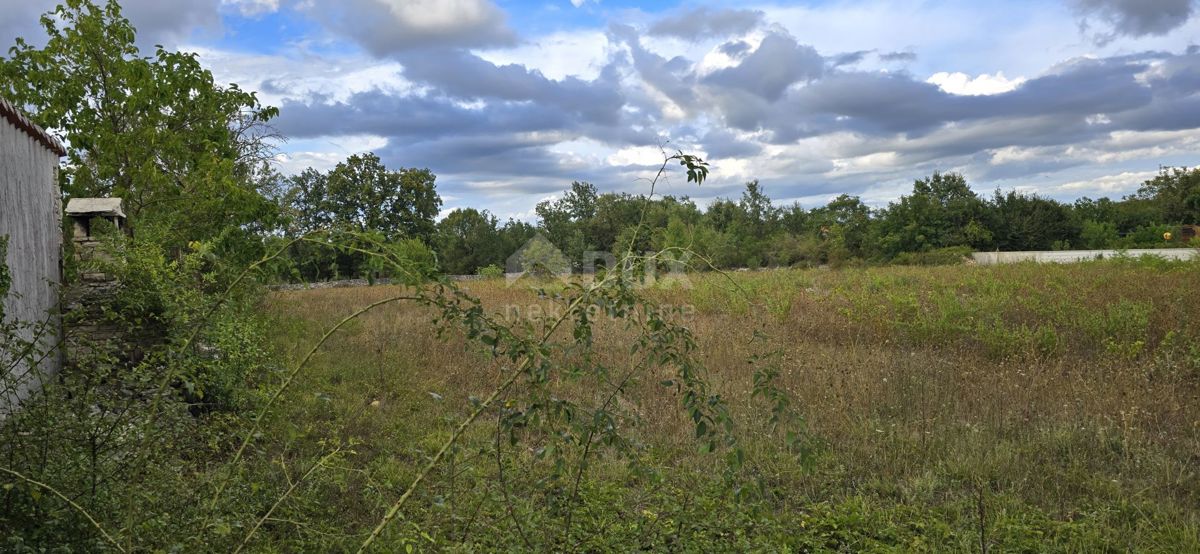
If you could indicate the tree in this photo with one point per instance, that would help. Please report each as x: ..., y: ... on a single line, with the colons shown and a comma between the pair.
x: 760, y: 215
x: 941, y: 211
x: 467, y: 240
x: 794, y: 219
x: 1176, y: 191
x: 363, y: 194
x: 1030, y: 222
x: 540, y: 258
x: 513, y: 234
x: 1097, y: 234
x: 580, y: 201
x: 306, y: 201
x: 724, y: 214
x: 566, y: 220
x: 182, y: 151
x: 845, y: 224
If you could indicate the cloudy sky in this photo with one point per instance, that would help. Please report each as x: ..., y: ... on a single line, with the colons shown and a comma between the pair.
x: 508, y: 101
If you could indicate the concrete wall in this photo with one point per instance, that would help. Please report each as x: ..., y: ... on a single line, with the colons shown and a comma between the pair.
x: 30, y: 213
x: 1071, y: 256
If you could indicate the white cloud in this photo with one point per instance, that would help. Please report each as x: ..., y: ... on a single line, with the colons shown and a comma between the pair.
x: 252, y: 8
x: 980, y: 85
x: 1109, y: 185
x: 324, y: 153
x: 302, y: 75
x: 558, y: 55
x: 637, y: 156
x: 386, y: 27
x: 439, y: 16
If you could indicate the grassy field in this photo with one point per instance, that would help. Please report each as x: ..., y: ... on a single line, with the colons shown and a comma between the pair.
x: 1009, y: 408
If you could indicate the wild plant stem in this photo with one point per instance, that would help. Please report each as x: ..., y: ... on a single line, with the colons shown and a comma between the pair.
x: 458, y: 432
x: 283, y: 497
x: 512, y: 514
x: 70, y: 502
x: 262, y: 412
x: 462, y: 427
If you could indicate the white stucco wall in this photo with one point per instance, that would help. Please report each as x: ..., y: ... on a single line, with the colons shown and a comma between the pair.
x: 30, y: 215
x: 1070, y: 256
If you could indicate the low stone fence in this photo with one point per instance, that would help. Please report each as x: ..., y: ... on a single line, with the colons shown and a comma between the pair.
x: 346, y: 283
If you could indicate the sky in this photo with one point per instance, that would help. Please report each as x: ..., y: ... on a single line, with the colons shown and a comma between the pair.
x: 509, y: 101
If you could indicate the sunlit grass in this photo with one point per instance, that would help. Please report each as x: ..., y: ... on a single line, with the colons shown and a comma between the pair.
x: 1054, y: 404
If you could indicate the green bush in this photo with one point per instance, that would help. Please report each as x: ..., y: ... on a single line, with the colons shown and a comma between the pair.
x: 492, y: 271
x: 951, y: 255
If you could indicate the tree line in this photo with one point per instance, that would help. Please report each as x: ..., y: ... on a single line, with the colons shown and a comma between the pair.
x: 938, y: 221
x: 941, y: 217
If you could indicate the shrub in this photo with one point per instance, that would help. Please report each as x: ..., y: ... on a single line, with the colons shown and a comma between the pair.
x: 492, y: 271
x: 951, y: 255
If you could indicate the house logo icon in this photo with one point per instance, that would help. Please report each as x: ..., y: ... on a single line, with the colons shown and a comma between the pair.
x: 537, y: 258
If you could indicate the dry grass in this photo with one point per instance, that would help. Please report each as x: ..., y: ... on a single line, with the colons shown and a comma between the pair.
x: 1074, y: 390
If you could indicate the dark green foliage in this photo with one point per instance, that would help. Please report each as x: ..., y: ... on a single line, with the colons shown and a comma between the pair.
x: 361, y: 196
x: 942, y: 211
x: 1175, y: 191
x: 118, y: 430
x: 468, y: 240
x: 1030, y: 222
x: 949, y: 255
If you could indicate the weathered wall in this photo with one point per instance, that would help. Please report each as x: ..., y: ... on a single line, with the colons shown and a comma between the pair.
x: 30, y: 215
x: 1071, y: 256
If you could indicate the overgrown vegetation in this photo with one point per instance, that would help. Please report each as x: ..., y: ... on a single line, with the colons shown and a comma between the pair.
x: 1009, y: 408
x: 897, y: 408
x: 1018, y: 407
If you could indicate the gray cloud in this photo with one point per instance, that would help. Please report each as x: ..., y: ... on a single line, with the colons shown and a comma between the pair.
x: 704, y: 22
x: 379, y: 113
x: 848, y: 58
x: 464, y: 75
x: 735, y: 48
x: 777, y: 63
x: 21, y: 20
x: 674, y: 78
x: 875, y: 104
x: 898, y: 56
x: 172, y: 20
x: 720, y: 143
x: 1136, y: 18
x: 165, y: 22
x: 386, y: 27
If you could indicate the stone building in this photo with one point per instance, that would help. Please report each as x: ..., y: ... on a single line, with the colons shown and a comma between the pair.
x: 85, y: 214
x: 30, y: 224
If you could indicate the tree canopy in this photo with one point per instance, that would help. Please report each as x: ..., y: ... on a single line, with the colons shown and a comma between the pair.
x: 185, y: 153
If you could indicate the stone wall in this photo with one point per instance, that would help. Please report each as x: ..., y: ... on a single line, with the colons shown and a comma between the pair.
x: 30, y: 213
